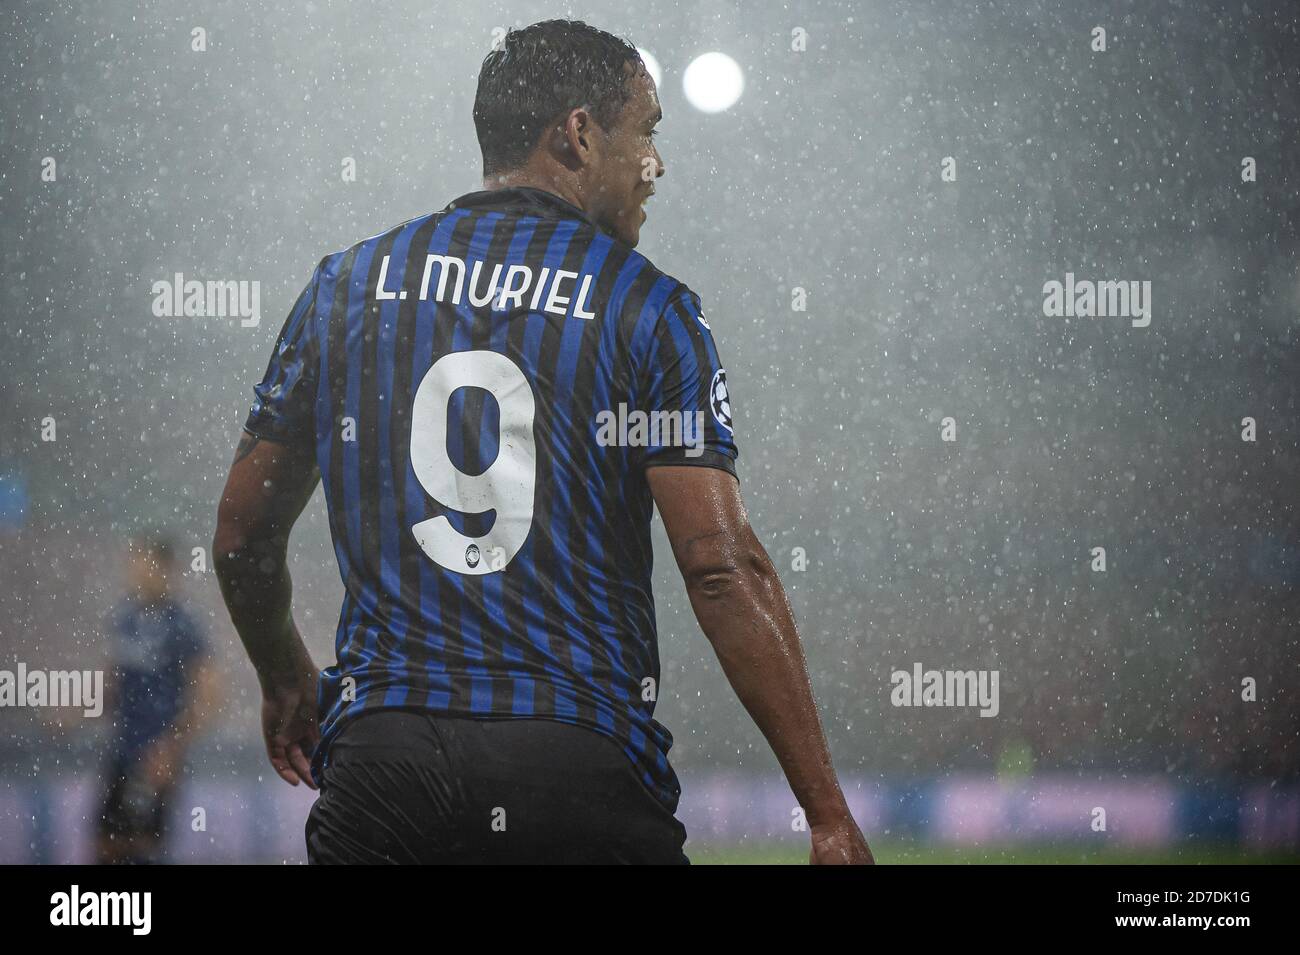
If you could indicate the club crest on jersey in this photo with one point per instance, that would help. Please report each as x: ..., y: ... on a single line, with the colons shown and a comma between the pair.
x: 471, y: 555
x: 720, y: 400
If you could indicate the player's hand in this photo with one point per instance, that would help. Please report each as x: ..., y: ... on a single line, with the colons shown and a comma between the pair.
x: 291, y: 728
x: 839, y: 843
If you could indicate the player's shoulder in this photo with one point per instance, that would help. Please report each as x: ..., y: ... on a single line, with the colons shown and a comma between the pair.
x: 333, y: 263
x: 670, y: 301
x: 652, y: 289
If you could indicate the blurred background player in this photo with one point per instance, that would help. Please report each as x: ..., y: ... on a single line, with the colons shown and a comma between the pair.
x: 159, y: 687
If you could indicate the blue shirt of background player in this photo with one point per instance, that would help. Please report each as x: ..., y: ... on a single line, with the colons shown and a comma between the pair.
x: 156, y: 648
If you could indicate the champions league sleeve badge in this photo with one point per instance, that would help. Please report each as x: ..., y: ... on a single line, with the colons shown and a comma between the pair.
x: 720, y: 400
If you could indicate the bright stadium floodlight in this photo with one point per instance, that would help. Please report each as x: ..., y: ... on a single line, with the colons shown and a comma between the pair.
x: 651, y: 66
x: 713, y: 82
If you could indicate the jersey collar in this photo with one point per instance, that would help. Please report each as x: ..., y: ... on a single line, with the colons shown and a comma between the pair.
x: 524, y: 198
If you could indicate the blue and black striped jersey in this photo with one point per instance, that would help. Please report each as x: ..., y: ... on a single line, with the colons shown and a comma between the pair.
x: 482, y: 388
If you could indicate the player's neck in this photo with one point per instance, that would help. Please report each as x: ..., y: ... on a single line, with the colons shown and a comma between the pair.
x: 559, y: 184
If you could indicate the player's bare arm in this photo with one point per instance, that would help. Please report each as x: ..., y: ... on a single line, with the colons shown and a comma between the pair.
x: 742, y: 608
x: 268, y: 486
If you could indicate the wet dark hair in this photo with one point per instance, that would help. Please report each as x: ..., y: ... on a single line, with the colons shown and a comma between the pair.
x: 540, y: 73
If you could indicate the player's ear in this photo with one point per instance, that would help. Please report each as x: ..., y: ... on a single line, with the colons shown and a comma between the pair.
x: 580, y: 131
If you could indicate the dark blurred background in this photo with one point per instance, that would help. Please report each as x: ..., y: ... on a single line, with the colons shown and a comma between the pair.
x: 924, y: 301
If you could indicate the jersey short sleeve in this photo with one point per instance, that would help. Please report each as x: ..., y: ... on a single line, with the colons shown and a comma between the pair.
x: 285, y: 399
x: 683, y: 388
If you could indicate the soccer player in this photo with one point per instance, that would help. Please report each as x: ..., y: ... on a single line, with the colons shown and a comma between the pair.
x: 161, y: 687
x: 495, y: 396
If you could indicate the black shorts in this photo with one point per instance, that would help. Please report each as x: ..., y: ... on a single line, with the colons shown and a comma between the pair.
x: 403, y: 786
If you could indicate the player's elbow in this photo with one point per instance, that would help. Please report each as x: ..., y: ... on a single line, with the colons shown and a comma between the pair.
x: 740, y: 575
x: 228, y: 538
x: 227, y: 548
x: 233, y: 541
x: 711, y: 582
x: 245, y: 524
